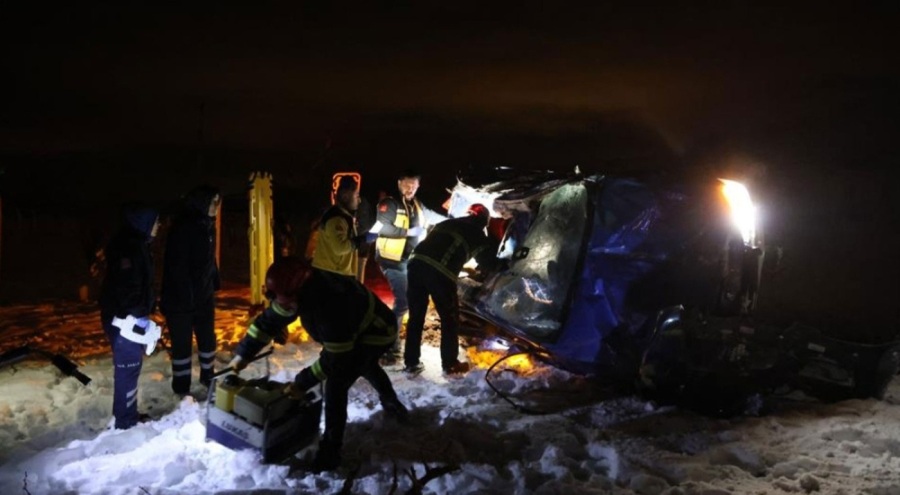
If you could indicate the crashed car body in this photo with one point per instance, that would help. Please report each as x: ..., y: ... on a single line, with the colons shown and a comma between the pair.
x: 592, y: 260
x: 626, y: 279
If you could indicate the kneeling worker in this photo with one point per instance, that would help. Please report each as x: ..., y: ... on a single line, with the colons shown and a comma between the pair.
x: 354, y: 327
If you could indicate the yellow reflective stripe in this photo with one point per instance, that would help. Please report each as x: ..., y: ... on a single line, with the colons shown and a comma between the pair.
x: 392, y: 248
x: 281, y: 310
x: 258, y: 334
x: 422, y: 220
x: 402, y: 219
x: 371, y: 318
x: 338, y: 347
x: 439, y: 267
x: 457, y: 241
x: 370, y: 314
x: 317, y: 371
x: 378, y: 322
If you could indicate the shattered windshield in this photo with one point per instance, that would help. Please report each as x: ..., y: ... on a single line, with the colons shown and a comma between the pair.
x: 531, y: 295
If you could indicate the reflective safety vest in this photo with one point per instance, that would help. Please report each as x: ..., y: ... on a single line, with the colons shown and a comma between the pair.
x: 392, y: 248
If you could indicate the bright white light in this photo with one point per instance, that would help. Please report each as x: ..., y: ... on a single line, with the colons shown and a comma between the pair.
x: 463, y: 196
x: 743, y: 212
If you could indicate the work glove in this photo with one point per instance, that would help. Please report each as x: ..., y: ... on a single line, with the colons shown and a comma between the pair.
x: 371, y: 237
x: 414, y: 231
x: 237, y: 364
x: 304, y: 381
x: 293, y: 392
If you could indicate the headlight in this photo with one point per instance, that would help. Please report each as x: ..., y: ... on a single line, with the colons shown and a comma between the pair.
x: 743, y: 212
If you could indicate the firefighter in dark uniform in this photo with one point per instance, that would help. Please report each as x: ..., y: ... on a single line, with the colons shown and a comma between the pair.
x: 354, y: 328
x: 400, y: 224
x: 433, y: 269
x: 190, y: 280
x: 128, y: 290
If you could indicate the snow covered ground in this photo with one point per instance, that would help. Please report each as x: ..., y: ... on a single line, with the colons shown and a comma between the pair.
x: 56, y: 437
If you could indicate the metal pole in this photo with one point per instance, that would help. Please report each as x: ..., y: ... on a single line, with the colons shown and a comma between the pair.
x: 219, y: 234
x: 1, y: 234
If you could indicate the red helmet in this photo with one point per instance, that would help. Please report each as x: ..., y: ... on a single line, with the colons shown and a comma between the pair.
x: 479, y: 210
x: 285, y: 277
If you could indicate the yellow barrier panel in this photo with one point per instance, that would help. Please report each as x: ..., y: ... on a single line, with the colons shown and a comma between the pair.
x: 260, y: 234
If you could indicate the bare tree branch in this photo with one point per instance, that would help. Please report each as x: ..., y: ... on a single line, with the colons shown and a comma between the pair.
x: 25, y: 484
x: 430, y: 473
x: 395, y: 480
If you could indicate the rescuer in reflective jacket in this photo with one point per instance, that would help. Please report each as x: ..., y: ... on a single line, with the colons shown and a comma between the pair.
x: 433, y: 269
x: 354, y: 328
x: 338, y: 241
x: 400, y: 223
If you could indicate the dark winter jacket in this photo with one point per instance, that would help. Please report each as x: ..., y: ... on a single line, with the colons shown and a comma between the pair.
x: 365, y: 216
x: 365, y: 219
x: 128, y: 286
x: 336, y: 311
x: 190, y: 274
x: 453, y: 242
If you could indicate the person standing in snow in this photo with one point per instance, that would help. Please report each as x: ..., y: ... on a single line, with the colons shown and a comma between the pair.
x: 337, y: 243
x: 400, y: 224
x: 127, y: 289
x: 354, y: 327
x: 190, y: 280
x: 434, y: 266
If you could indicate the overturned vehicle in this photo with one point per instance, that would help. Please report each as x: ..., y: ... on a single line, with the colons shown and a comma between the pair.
x: 650, y: 283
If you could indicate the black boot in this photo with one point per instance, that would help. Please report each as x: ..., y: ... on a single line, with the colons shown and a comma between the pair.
x: 206, y: 377
x: 395, y: 409
x: 181, y: 385
x: 328, y: 458
x: 393, y: 355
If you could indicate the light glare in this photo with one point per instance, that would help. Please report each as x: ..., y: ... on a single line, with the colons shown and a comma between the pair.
x: 743, y: 212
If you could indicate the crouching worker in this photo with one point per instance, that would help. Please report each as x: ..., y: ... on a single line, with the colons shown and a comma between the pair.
x: 354, y: 327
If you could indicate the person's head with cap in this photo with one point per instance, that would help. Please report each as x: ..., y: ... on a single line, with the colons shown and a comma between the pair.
x: 284, y: 278
x: 479, y: 212
x: 347, y: 194
x: 203, y: 200
x: 141, y: 219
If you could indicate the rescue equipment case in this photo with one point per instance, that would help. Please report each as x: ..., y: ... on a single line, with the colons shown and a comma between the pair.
x: 257, y: 415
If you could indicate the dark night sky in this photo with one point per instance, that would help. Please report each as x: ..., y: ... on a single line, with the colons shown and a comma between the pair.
x: 712, y: 74
x: 799, y: 90
x: 735, y: 85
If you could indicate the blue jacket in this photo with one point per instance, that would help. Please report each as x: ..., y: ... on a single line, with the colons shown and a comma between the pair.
x: 128, y: 285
